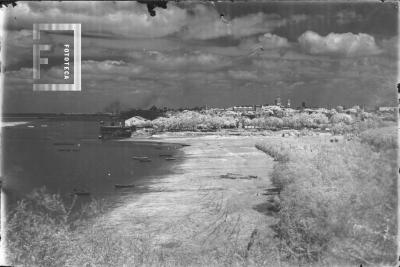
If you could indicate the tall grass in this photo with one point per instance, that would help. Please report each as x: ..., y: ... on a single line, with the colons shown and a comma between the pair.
x: 339, y: 200
x: 381, y: 139
x: 276, y: 152
x: 43, y: 232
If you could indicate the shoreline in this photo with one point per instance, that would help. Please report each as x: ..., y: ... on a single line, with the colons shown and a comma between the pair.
x: 12, y: 123
x: 187, y: 206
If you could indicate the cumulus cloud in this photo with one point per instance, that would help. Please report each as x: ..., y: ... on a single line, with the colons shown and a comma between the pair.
x: 132, y: 20
x: 176, y: 71
x: 265, y: 44
x: 128, y: 19
x: 206, y: 23
x: 110, y: 67
x: 178, y: 59
x: 346, y: 44
x: 269, y: 41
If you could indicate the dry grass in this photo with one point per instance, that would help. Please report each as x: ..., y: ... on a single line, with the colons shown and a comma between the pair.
x: 42, y: 233
x: 338, y: 200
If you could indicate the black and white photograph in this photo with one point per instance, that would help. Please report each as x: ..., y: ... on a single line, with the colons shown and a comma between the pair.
x: 199, y: 133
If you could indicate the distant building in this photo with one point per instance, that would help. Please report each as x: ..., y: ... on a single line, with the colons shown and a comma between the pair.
x: 258, y: 108
x: 351, y: 111
x: 243, y: 108
x: 288, y: 103
x: 387, y: 109
x: 136, y: 121
x: 310, y: 111
x: 278, y: 101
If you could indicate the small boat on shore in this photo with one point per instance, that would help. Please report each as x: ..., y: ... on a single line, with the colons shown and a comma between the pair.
x: 272, y: 191
x: 80, y: 192
x: 114, y: 132
x: 170, y: 158
x: 124, y: 185
x: 140, y: 157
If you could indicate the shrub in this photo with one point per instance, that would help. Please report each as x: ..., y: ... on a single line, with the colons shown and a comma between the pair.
x: 192, y: 121
x: 381, y: 138
x: 37, y: 231
x: 319, y: 118
x: 338, y: 200
x: 278, y: 154
x: 339, y: 109
x: 341, y: 118
x: 341, y: 128
x: 292, y: 122
x: 41, y: 232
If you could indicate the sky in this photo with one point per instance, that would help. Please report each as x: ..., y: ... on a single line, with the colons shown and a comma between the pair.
x: 187, y: 55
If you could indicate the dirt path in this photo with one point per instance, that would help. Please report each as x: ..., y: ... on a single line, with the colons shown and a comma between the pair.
x: 195, y: 208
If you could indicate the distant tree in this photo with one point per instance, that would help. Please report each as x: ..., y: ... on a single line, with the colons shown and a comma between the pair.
x: 153, y: 108
x: 339, y: 109
x: 341, y: 118
x: 303, y: 104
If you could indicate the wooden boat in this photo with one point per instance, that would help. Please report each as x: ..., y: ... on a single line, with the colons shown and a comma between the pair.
x: 80, y: 192
x: 115, y: 131
x: 124, y: 185
x: 140, y: 157
x: 272, y: 191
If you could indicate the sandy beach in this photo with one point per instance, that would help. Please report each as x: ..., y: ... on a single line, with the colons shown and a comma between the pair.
x: 195, y: 208
x: 12, y: 123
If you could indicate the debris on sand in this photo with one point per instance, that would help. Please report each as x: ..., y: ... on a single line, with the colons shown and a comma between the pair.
x: 272, y: 191
x: 234, y: 176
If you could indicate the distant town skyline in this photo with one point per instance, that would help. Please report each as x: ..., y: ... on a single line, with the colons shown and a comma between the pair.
x: 214, y: 54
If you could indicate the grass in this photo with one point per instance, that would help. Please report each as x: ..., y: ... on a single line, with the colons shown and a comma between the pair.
x: 337, y: 207
x: 338, y: 200
x: 381, y: 139
x: 43, y: 232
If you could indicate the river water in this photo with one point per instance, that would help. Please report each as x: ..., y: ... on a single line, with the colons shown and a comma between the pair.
x: 67, y: 155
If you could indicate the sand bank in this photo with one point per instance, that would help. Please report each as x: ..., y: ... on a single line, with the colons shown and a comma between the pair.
x: 12, y: 123
x: 194, y: 207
